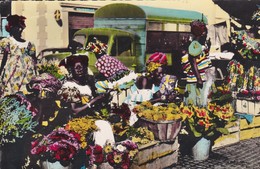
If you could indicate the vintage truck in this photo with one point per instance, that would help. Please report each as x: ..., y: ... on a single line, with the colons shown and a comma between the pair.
x: 133, y: 32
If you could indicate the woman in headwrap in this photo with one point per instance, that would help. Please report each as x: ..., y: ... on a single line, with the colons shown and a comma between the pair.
x: 153, y: 85
x: 19, y: 60
x: 79, y: 97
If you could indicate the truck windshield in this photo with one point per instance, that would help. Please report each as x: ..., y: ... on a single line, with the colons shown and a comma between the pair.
x: 80, y: 39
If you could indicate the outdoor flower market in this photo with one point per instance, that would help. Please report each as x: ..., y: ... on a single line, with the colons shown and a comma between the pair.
x: 56, y: 112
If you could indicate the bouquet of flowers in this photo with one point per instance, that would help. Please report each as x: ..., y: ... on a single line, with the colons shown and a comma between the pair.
x: 221, y: 95
x: 119, y: 118
x: 83, y: 126
x: 119, y: 155
x: 16, y: 118
x: 207, y: 121
x: 122, y: 154
x: 236, y: 74
x: 52, y: 67
x: 60, y: 145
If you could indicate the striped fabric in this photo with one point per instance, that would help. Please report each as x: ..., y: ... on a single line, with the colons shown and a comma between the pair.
x: 203, y: 63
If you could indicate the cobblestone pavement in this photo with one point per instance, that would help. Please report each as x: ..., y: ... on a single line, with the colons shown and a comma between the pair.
x: 242, y: 155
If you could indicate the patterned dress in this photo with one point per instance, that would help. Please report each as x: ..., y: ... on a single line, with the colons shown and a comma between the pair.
x: 19, y: 68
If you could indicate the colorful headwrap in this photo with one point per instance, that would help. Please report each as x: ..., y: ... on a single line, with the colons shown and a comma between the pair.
x: 155, y: 61
x: 198, y: 27
x: 15, y: 20
x: 70, y: 61
x: 110, y: 66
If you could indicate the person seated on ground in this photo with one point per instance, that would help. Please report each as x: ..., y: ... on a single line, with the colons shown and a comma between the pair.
x: 152, y: 85
x: 78, y: 93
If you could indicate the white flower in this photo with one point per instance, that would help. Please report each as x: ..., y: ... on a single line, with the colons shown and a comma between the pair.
x: 120, y: 148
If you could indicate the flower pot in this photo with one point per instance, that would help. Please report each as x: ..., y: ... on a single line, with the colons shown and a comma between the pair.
x: 201, y: 149
x: 55, y: 165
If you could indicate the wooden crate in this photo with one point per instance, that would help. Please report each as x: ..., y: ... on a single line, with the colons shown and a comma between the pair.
x: 248, y: 106
x: 159, y: 163
x: 150, y: 152
x: 228, y: 139
x: 251, y: 130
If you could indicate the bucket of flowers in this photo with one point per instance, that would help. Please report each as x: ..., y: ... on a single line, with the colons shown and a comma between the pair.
x: 57, y: 149
x: 119, y: 155
x: 206, y: 123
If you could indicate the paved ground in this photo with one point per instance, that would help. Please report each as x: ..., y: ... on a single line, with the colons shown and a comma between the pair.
x: 243, y: 155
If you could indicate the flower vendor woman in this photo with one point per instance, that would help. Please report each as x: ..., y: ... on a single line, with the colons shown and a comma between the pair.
x: 196, y: 66
x: 18, y: 64
x: 148, y: 85
x: 79, y: 92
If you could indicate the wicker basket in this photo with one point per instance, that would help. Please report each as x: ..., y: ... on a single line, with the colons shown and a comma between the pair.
x: 165, y: 131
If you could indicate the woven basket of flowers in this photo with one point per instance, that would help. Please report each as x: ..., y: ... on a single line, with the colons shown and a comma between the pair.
x: 163, y: 120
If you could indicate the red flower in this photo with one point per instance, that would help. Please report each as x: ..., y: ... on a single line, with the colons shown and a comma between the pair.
x: 88, y: 151
x: 97, y: 149
x: 99, y: 158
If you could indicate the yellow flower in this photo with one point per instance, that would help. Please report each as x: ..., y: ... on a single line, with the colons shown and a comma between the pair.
x: 108, y: 149
x: 84, y: 144
x: 117, y: 158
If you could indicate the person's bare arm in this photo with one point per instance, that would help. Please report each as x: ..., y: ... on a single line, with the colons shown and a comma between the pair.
x: 195, y: 70
x: 76, y: 109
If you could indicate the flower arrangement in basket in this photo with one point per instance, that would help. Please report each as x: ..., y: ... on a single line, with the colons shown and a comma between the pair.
x: 119, y: 155
x: 17, y: 118
x: 207, y: 122
x: 167, y: 112
x: 59, y: 145
x: 163, y: 120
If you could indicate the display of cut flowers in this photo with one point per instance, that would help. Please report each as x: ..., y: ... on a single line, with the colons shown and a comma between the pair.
x: 247, y: 46
x: 52, y: 67
x: 166, y: 112
x: 83, y: 126
x: 207, y: 121
x: 59, y: 145
x: 17, y: 118
x: 119, y: 155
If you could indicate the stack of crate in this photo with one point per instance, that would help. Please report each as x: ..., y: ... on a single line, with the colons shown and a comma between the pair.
x: 249, y: 107
x: 157, y: 155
